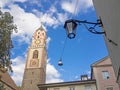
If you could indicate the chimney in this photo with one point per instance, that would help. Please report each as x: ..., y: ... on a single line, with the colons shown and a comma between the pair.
x: 84, y: 77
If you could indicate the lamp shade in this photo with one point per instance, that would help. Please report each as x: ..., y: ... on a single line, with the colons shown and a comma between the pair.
x: 60, y: 63
x: 70, y: 27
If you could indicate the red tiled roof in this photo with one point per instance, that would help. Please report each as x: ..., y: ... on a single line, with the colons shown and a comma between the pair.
x: 8, y: 80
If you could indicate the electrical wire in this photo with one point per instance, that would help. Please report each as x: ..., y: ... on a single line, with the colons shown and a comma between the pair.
x: 66, y: 37
x: 63, y: 48
x: 75, y: 8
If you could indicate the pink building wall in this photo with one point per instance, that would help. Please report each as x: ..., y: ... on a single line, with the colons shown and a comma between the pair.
x: 98, y: 68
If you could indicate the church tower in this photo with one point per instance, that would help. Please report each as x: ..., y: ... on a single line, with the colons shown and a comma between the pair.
x: 35, y: 69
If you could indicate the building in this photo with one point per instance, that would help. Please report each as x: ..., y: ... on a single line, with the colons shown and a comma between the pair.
x: 109, y: 12
x: 102, y: 71
x: 72, y: 85
x: 102, y: 78
x: 6, y: 82
x: 35, y: 69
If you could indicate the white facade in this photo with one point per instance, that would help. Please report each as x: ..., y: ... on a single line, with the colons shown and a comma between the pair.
x: 72, y: 85
x: 109, y: 12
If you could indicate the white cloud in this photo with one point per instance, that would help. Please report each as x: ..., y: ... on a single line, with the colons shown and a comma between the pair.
x: 37, y: 13
x: 49, y: 20
x: 62, y: 17
x: 18, y: 66
x: 68, y: 6
x: 53, y: 9
x: 19, y: 0
x: 8, y: 2
x: 89, y: 74
x: 53, y: 17
x: 4, y: 2
x: 37, y: 2
x: 48, y: 41
x: 52, y: 74
x: 18, y: 69
x: 26, y: 23
x: 77, y: 77
x: 75, y: 6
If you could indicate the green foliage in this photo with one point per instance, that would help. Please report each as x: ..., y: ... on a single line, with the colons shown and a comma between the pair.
x: 19, y: 87
x: 6, y: 29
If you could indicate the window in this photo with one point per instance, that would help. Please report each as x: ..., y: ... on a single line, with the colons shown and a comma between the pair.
x: 32, y: 73
x: 72, y: 88
x: 109, y: 88
x: 88, y: 87
x: 35, y: 54
x: 105, y: 74
x: 56, y: 89
x: 31, y: 81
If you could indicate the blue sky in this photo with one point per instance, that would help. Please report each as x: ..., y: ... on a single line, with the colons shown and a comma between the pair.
x: 79, y: 53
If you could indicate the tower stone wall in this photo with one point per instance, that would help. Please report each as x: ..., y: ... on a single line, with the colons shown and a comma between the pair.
x: 35, y: 69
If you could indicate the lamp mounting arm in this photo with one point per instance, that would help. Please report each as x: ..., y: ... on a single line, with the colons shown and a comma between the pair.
x: 70, y: 27
x: 92, y: 28
x: 99, y: 22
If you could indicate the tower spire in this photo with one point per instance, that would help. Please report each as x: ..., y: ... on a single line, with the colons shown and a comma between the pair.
x: 41, y: 27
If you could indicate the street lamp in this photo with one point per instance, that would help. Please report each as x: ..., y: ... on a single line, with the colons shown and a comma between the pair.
x: 70, y: 27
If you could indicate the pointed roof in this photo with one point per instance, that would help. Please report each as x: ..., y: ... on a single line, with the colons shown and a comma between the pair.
x: 41, y: 27
x: 106, y: 61
x: 8, y: 80
x: 103, y: 61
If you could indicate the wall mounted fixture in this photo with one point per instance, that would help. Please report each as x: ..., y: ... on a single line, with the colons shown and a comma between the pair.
x: 70, y: 27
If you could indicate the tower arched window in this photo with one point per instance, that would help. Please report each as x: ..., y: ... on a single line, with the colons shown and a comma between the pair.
x: 35, y: 54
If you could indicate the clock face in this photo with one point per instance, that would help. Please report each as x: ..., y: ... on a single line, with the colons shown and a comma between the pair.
x: 37, y: 41
x: 34, y: 63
